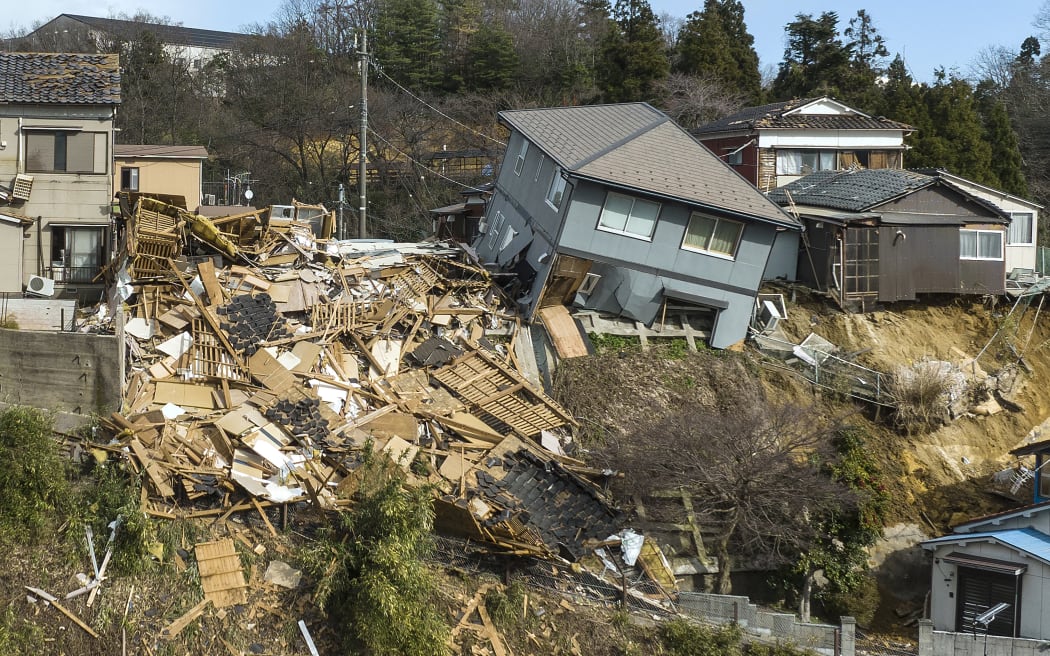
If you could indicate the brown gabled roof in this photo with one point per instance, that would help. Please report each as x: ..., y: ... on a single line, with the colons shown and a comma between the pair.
x: 59, y: 78
x: 786, y: 115
x: 168, y: 152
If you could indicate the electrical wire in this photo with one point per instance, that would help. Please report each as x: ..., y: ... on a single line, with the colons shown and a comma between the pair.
x: 421, y: 165
x: 379, y: 69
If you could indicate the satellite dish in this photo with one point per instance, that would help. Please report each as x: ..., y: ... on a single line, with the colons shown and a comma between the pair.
x: 249, y: 195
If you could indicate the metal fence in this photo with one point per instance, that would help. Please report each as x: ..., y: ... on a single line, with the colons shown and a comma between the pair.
x: 827, y: 370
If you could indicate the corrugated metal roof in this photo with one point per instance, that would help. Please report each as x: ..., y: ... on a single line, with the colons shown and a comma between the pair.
x: 59, y: 78
x: 1026, y: 540
x: 148, y: 150
x: 636, y: 147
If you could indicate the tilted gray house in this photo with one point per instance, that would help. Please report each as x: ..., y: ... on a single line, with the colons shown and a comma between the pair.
x: 617, y: 209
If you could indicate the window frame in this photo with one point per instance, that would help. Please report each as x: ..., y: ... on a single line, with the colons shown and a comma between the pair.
x: 977, y: 257
x: 806, y: 151
x: 1030, y: 216
x: 625, y: 232
x: 63, y: 134
x: 133, y: 177
x: 709, y: 251
x: 556, y: 189
x: 523, y: 152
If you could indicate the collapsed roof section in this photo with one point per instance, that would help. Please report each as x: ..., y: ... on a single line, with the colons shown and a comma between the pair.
x: 261, y: 375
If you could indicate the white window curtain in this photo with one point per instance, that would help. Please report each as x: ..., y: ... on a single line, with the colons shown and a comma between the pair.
x: 617, y: 210
x: 643, y: 218
x: 989, y: 245
x: 789, y: 162
x: 84, y: 252
x: 1020, y: 229
x: 968, y: 244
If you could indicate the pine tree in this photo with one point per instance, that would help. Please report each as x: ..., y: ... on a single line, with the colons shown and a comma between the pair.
x: 815, y: 61
x: 1006, y: 163
x: 408, y: 43
x: 491, y: 60
x: 715, y: 44
x: 867, y: 61
x: 633, y: 57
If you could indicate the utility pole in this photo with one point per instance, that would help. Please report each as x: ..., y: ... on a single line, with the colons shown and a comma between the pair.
x: 362, y: 141
x: 341, y: 230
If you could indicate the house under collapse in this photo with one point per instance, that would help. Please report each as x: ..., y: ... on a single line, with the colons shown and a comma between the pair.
x: 265, y: 362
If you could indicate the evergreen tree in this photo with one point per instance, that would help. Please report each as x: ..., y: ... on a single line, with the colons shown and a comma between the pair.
x: 1006, y: 163
x: 815, y: 61
x: 408, y: 43
x: 633, y: 57
x: 714, y: 43
x: 491, y: 60
x: 954, y: 139
x: 867, y: 63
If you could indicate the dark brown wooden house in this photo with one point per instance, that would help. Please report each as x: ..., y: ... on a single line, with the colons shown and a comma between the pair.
x: 460, y: 221
x: 884, y: 235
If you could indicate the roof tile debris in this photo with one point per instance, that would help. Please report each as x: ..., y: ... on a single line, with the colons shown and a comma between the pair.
x: 782, y: 116
x: 59, y: 78
x: 266, y: 359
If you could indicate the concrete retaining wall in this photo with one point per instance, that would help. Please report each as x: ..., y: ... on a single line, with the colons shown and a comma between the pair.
x: 67, y: 372
x: 945, y: 643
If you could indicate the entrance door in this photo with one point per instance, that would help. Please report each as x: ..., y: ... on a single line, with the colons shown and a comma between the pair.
x: 979, y: 590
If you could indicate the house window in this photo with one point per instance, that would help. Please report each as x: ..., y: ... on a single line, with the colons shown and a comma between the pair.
x: 629, y: 216
x: 556, y: 189
x: 77, y: 253
x: 494, y: 229
x: 590, y: 281
x: 129, y: 178
x: 519, y: 163
x: 1021, y: 232
x: 980, y: 244
x: 804, y: 162
x: 712, y: 235
x: 539, y: 165
x: 735, y: 157
x: 64, y: 151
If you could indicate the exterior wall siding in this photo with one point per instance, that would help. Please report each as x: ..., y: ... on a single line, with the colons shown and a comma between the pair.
x: 69, y: 198
x: 181, y: 177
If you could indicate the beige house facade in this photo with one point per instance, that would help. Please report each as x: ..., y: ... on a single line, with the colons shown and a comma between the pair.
x: 56, y: 181
x: 174, y: 170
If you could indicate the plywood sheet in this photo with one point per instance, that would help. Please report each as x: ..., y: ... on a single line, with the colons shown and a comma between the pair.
x: 563, y: 331
x: 195, y: 396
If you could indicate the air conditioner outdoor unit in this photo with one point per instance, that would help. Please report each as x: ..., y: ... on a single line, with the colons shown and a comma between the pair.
x: 40, y: 286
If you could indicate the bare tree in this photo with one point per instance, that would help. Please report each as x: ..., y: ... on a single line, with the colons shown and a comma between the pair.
x: 692, y: 101
x: 756, y: 472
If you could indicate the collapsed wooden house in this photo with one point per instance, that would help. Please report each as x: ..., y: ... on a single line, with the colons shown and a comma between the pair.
x: 262, y: 367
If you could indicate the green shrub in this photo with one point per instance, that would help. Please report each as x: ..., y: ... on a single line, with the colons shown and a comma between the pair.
x: 684, y: 638
x: 861, y: 601
x: 34, y: 483
x: 114, y: 496
x: 779, y: 649
x: 504, y: 605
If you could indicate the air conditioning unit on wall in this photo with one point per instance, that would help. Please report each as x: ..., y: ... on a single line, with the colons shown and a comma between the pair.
x: 40, y: 286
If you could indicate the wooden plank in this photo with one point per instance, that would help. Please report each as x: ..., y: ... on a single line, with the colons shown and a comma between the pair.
x: 176, y: 627
x: 206, y: 271
x: 160, y: 483
x: 563, y: 331
x: 266, y: 520
x: 62, y: 609
x: 642, y: 332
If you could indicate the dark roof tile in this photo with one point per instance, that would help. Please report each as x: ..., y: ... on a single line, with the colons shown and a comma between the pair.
x: 59, y: 78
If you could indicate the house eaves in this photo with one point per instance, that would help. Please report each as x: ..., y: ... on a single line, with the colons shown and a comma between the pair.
x: 996, y: 519
x: 1028, y: 541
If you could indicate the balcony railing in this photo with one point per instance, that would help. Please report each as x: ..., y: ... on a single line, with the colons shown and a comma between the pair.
x: 71, y: 274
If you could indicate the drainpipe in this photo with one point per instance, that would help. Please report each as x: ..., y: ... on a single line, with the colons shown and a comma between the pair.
x: 18, y: 148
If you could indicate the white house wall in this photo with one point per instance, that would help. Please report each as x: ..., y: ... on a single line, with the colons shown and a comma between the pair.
x: 1035, y: 588
x: 64, y: 198
x: 841, y: 139
x: 1017, y: 256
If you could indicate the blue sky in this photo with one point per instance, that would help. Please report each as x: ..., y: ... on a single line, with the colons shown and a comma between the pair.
x: 929, y: 33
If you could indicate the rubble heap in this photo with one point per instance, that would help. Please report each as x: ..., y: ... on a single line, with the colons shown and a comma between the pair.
x: 265, y: 359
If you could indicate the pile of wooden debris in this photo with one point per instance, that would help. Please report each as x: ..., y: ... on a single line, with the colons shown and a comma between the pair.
x: 264, y: 359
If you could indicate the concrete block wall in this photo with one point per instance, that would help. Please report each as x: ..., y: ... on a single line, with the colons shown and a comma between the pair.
x: 947, y: 643
x: 63, y: 371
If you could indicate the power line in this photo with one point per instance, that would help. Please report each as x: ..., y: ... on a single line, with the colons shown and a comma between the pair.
x: 421, y: 165
x: 380, y: 70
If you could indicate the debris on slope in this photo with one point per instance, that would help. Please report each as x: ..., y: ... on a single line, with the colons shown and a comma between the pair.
x: 260, y: 375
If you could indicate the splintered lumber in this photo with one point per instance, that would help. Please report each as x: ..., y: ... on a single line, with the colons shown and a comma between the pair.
x: 563, y: 331
x: 62, y: 609
x: 160, y: 483
x: 176, y: 627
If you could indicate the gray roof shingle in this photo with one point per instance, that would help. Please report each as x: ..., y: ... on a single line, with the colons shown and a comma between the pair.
x: 154, y: 150
x: 172, y: 34
x: 635, y: 146
x: 59, y: 78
